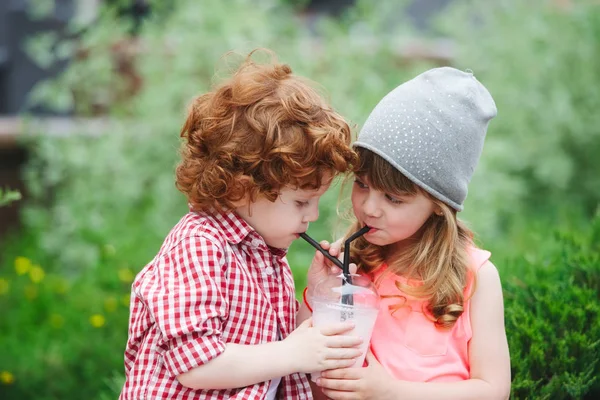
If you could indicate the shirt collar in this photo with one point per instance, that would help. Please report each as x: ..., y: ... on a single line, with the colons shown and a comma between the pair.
x: 237, y: 230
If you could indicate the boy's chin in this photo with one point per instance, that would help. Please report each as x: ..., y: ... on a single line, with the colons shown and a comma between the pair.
x: 283, y: 244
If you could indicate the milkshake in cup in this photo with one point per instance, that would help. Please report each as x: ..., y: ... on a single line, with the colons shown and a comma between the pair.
x: 346, y: 298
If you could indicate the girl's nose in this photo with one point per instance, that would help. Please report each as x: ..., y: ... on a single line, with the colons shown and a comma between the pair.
x: 371, y: 206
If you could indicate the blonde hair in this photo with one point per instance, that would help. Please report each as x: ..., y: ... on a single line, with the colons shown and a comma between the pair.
x: 437, y: 257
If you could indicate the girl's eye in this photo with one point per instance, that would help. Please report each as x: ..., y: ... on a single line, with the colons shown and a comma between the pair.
x: 301, y: 203
x: 393, y: 199
x: 360, y: 184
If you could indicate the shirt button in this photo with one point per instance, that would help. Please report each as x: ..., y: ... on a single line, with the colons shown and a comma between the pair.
x: 269, y: 270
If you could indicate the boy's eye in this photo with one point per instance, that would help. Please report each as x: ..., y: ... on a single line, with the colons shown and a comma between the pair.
x: 300, y: 203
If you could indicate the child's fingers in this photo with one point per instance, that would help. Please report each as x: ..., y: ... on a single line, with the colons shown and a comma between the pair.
x: 353, y: 268
x: 336, y: 251
x: 344, y: 341
x: 345, y: 373
x: 337, y: 329
x: 336, y: 247
x: 343, y: 353
x: 336, y: 364
x: 319, y: 257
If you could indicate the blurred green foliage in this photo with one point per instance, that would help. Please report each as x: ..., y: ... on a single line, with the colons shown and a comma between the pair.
x: 100, y: 205
x: 540, y: 61
x: 8, y: 196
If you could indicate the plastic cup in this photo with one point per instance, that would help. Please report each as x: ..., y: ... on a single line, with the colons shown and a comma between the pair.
x: 329, y: 309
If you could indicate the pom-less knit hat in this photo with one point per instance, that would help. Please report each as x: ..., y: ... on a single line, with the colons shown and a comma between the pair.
x: 432, y: 129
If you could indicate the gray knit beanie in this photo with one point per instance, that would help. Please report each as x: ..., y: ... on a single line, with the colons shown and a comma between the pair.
x: 432, y: 129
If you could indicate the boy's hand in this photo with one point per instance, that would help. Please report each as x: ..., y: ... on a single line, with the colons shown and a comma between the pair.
x: 312, y: 349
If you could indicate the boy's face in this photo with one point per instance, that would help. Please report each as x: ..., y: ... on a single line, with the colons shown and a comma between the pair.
x: 280, y: 222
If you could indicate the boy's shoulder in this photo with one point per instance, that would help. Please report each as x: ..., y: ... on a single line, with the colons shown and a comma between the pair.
x: 220, y: 230
x: 194, y: 226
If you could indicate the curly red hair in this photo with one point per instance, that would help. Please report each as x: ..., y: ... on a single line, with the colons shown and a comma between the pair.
x: 259, y: 131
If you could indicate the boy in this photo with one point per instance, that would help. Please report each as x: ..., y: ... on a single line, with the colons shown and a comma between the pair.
x: 213, y: 315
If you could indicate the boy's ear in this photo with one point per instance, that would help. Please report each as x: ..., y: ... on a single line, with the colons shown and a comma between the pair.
x: 243, y: 182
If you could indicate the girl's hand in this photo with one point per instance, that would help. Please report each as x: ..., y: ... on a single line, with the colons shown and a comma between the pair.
x: 370, y: 382
x: 312, y: 349
x: 321, y: 267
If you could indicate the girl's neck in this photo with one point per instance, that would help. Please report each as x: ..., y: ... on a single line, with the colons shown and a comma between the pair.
x: 395, y: 250
x: 399, y: 250
x: 392, y: 256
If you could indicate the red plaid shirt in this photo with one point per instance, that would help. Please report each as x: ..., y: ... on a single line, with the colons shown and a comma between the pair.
x: 213, y: 282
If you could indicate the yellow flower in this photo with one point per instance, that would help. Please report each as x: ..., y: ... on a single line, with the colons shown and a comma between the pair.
x: 126, y: 275
x: 6, y: 377
x: 125, y: 300
x: 3, y: 286
x: 22, y: 265
x: 30, y: 292
x: 57, y: 321
x: 97, y: 320
x: 36, y: 274
x: 110, y: 304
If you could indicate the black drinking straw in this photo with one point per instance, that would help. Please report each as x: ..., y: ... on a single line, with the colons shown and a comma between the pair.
x: 345, y: 267
x: 348, y: 298
x: 317, y: 246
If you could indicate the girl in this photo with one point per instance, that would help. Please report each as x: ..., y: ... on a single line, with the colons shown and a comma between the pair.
x: 440, y: 330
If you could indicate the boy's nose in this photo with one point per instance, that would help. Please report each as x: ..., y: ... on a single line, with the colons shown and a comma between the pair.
x: 313, y: 213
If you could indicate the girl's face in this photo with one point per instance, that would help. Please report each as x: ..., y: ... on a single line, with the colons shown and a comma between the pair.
x: 392, y: 219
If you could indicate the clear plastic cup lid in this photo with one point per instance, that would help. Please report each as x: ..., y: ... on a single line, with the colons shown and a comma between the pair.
x: 357, y: 289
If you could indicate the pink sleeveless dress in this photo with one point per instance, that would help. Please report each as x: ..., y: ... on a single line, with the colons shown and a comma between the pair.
x: 408, y: 344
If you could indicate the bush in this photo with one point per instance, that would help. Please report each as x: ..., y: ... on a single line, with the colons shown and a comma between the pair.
x: 62, y: 337
x: 553, y: 316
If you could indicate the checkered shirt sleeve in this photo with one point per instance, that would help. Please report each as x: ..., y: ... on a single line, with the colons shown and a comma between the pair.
x: 187, y: 301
